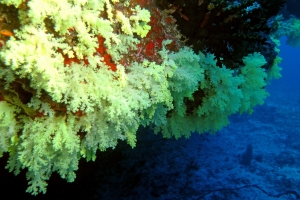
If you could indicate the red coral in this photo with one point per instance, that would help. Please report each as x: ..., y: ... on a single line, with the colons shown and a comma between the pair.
x: 101, y: 50
x: 107, y: 58
x: 1, y: 97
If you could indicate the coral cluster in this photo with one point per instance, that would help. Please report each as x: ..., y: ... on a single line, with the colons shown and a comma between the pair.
x: 78, y: 75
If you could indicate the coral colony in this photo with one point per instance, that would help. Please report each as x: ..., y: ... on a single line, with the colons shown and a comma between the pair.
x: 79, y: 75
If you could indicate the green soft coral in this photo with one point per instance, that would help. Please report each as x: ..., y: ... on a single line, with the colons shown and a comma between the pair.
x: 253, y: 87
x: 205, y: 95
x: 47, y: 139
x: 113, y: 110
x: 289, y: 28
x: 75, y: 110
x: 222, y: 95
x: 8, y: 126
x: 182, y: 84
x: 47, y: 144
x: 47, y: 70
